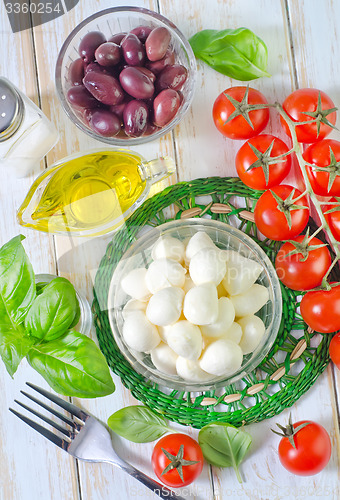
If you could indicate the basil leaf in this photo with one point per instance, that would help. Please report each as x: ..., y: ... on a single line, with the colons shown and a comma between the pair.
x: 237, y: 53
x: 13, y: 348
x: 17, y: 284
x: 138, y: 424
x: 224, y: 445
x: 72, y: 365
x: 53, y: 311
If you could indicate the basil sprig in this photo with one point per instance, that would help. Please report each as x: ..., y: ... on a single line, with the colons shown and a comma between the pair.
x: 223, y: 445
x: 237, y: 53
x: 38, y: 324
x: 138, y: 424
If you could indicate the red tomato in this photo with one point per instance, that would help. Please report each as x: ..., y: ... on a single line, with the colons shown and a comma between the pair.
x: 319, y: 154
x: 334, y: 350
x: 321, y: 310
x: 302, y: 274
x: 172, y: 443
x: 238, y: 127
x: 313, y: 101
x: 312, y: 449
x: 333, y: 219
x: 261, y: 163
x: 272, y: 222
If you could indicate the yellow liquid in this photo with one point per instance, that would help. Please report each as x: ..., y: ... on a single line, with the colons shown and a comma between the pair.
x: 84, y: 193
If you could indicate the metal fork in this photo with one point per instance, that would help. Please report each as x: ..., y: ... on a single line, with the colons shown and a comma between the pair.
x: 84, y: 437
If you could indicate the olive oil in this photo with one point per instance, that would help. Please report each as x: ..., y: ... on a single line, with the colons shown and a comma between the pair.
x: 84, y: 193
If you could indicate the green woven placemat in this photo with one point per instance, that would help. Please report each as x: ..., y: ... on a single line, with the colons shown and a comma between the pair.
x: 296, y: 359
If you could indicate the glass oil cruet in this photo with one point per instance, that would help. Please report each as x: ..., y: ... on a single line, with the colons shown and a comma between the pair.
x: 91, y: 194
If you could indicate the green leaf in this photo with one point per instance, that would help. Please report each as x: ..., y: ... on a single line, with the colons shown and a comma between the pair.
x: 13, y: 348
x: 224, y: 445
x: 17, y: 285
x: 53, y: 311
x: 237, y: 53
x: 138, y: 424
x: 72, y: 365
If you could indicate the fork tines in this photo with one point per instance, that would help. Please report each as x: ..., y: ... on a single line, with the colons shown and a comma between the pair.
x: 68, y: 434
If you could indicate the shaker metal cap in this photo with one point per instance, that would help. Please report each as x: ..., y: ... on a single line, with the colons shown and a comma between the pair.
x: 11, y: 109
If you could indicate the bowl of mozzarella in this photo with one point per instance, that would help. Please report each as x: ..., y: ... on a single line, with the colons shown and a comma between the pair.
x: 194, y: 304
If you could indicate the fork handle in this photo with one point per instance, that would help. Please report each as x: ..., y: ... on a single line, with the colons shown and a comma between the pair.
x: 158, y: 488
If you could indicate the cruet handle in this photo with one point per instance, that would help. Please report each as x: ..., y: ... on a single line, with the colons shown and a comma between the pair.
x: 159, y: 168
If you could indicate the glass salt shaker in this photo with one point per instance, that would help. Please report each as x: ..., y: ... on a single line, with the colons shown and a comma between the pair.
x: 26, y: 135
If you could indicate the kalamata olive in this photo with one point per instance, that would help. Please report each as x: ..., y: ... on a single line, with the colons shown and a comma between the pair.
x: 105, y: 123
x: 118, y: 109
x: 88, y: 45
x: 142, y: 32
x: 133, y: 50
x: 76, y: 72
x: 117, y: 38
x: 78, y: 96
x: 105, y: 88
x: 165, y: 106
x: 146, y: 72
x: 136, y: 83
x: 108, y: 54
x: 157, y: 43
x: 135, y: 118
x: 95, y: 67
x: 151, y: 129
x: 157, y: 66
x: 172, y: 77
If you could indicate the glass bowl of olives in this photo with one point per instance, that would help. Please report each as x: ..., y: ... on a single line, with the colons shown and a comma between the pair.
x: 125, y: 76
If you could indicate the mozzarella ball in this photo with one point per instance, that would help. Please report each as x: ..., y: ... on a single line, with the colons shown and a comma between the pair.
x: 167, y: 247
x: 201, y: 304
x: 250, y: 301
x: 234, y: 333
x: 222, y: 357
x: 253, y: 330
x: 164, y: 359
x: 241, y: 273
x: 134, y: 284
x: 163, y: 273
x: 185, y: 339
x: 206, y: 266
x: 139, y: 333
x: 133, y: 305
x: 163, y: 332
x: 191, y: 370
x: 188, y: 283
x: 165, y: 306
x: 196, y: 243
x: 225, y: 318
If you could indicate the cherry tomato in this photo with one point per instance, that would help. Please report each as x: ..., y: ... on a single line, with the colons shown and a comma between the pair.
x: 306, y: 105
x: 333, y: 219
x: 302, y: 274
x: 253, y: 167
x: 321, y: 309
x: 312, y: 449
x: 238, y: 127
x: 174, y: 445
x: 319, y: 154
x: 334, y: 350
x: 272, y: 221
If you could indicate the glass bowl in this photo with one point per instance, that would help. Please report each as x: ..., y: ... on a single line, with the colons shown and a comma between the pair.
x: 109, y: 22
x: 225, y: 237
x: 85, y: 320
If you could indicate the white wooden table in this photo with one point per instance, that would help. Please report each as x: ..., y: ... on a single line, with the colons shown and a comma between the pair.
x: 304, y: 50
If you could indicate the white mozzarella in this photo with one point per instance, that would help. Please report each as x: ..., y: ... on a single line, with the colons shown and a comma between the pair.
x: 164, y: 359
x: 207, y: 266
x: 167, y: 247
x: 250, y: 301
x: 133, y: 305
x: 224, y: 320
x: 241, y: 273
x: 165, y: 306
x: 201, y: 304
x: 163, y: 273
x: 139, y: 333
x: 191, y: 370
x: 234, y: 333
x: 253, y: 330
x: 134, y: 284
x: 196, y: 243
x: 222, y: 357
x: 185, y: 339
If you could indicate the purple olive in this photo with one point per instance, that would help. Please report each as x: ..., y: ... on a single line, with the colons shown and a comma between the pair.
x: 78, y: 96
x: 157, y: 43
x: 142, y: 32
x: 89, y: 43
x: 172, y: 77
x: 135, y: 118
x: 136, y: 83
x: 133, y: 50
x: 108, y: 54
x: 105, y: 123
x: 157, y: 66
x: 76, y: 72
x: 165, y: 106
x: 105, y: 88
x: 147, y: 72
x: 118, y: 109
x: 95, y: 67
x: 117, y: 38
